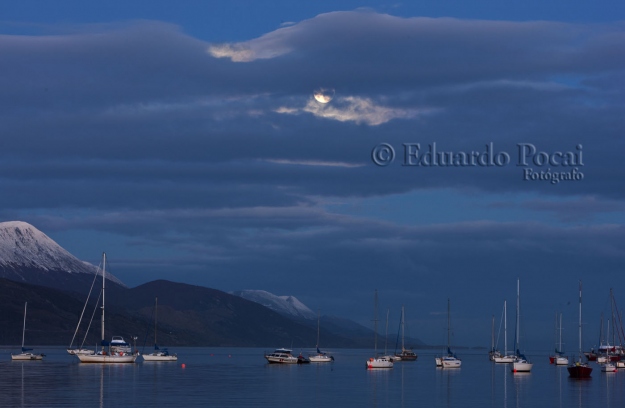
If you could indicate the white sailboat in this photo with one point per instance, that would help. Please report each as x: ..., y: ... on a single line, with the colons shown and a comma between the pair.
x: 608, y: 366
x: 81, y: 350
x: 506, y: 358
x: 319, y: 357
x: 158, y: 354
x: 450, y: 360
x: 561, y: 359
x: 26, y: 354
x: 377, y: 361
x: 104, y: 355
x: 521, y: 363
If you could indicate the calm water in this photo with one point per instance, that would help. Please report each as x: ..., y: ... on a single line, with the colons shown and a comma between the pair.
x: 240, y: 377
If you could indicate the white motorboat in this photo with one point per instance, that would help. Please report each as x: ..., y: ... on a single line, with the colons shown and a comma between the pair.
x: 119, y: 345
x: 281, y: 356
x: 26, y: 354
x: 608, y: 368
x: 104, y: 355
x: 451, y: 362
x: 379, y: 362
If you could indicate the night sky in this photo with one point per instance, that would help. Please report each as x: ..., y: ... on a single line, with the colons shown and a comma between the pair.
x: 184, y: 139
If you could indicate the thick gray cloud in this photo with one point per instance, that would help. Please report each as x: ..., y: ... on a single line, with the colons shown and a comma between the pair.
x: 215, y: 157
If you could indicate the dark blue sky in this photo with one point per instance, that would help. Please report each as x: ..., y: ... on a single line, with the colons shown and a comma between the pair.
x: 184, y: 140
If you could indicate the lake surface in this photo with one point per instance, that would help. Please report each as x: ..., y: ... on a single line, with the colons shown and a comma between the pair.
x: 240, y: 377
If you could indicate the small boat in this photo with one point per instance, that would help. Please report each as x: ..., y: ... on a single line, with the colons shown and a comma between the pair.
x: 521, y: 364
x: 505, y: 358
x: 107, y: 353
x: 26, y: 354
x: 319, y: 357
x: 579, y: 369
x: 405, y: 354
x: 281, y: 356
x: 608, y: 368
x: 450, y: 360
x: 158, y: 354
x: 302, y: 360
x: 377, y: 361
x: 560, y: 359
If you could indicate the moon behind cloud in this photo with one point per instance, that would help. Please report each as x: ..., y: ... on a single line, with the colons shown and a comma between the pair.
x: 323, y: 95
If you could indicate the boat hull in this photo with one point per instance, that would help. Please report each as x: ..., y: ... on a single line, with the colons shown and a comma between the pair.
x: 579, y: 371
x: 608, y: 368
x: 522, y: 367
x: 106, y: 358
x: 562, y: 361
x: 405, y: 356
x: 320, y: 359
x: 26, y: 357
x: 376, y: 363
x: 504, y: 359
x: 451, y: 362
x: 159, y: 357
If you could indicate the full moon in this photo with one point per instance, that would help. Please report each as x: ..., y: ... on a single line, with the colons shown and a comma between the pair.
x: 324, y: 95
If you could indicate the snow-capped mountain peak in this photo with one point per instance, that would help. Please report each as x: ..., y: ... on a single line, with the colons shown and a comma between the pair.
x: 285, y: 305
x: 24, y: 248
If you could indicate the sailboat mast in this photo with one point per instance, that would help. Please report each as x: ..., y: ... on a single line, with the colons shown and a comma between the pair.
x: 505, y: 327
x: 403, y: 324
x: 448, y: 324
x: 375, y: 323
x: 103, y: 284
x: 386, y: 333
x: 580, y: 320
x: 492, y: 335
x: 24, y: 329
x: 155, y: 318
x: 560, y: 346
x: 518, y: 295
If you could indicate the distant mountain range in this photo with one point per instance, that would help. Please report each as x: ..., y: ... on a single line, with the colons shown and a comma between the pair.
x: 285, y: 305
x: 35, y: 269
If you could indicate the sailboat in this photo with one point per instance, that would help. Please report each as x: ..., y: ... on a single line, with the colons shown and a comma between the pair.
x: 377, y: 361
x: 493, y: 350
x: 405, y: 355
x: 26, y: 352
x: 506, y: 358
x: 81, y: 350
x: 521, y: 363
x: 158, y: 354
x: 319, y: 357
x: 579, y: 369
x: 450, y: 360
x: 560, y: 358
x: 104, y: 355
